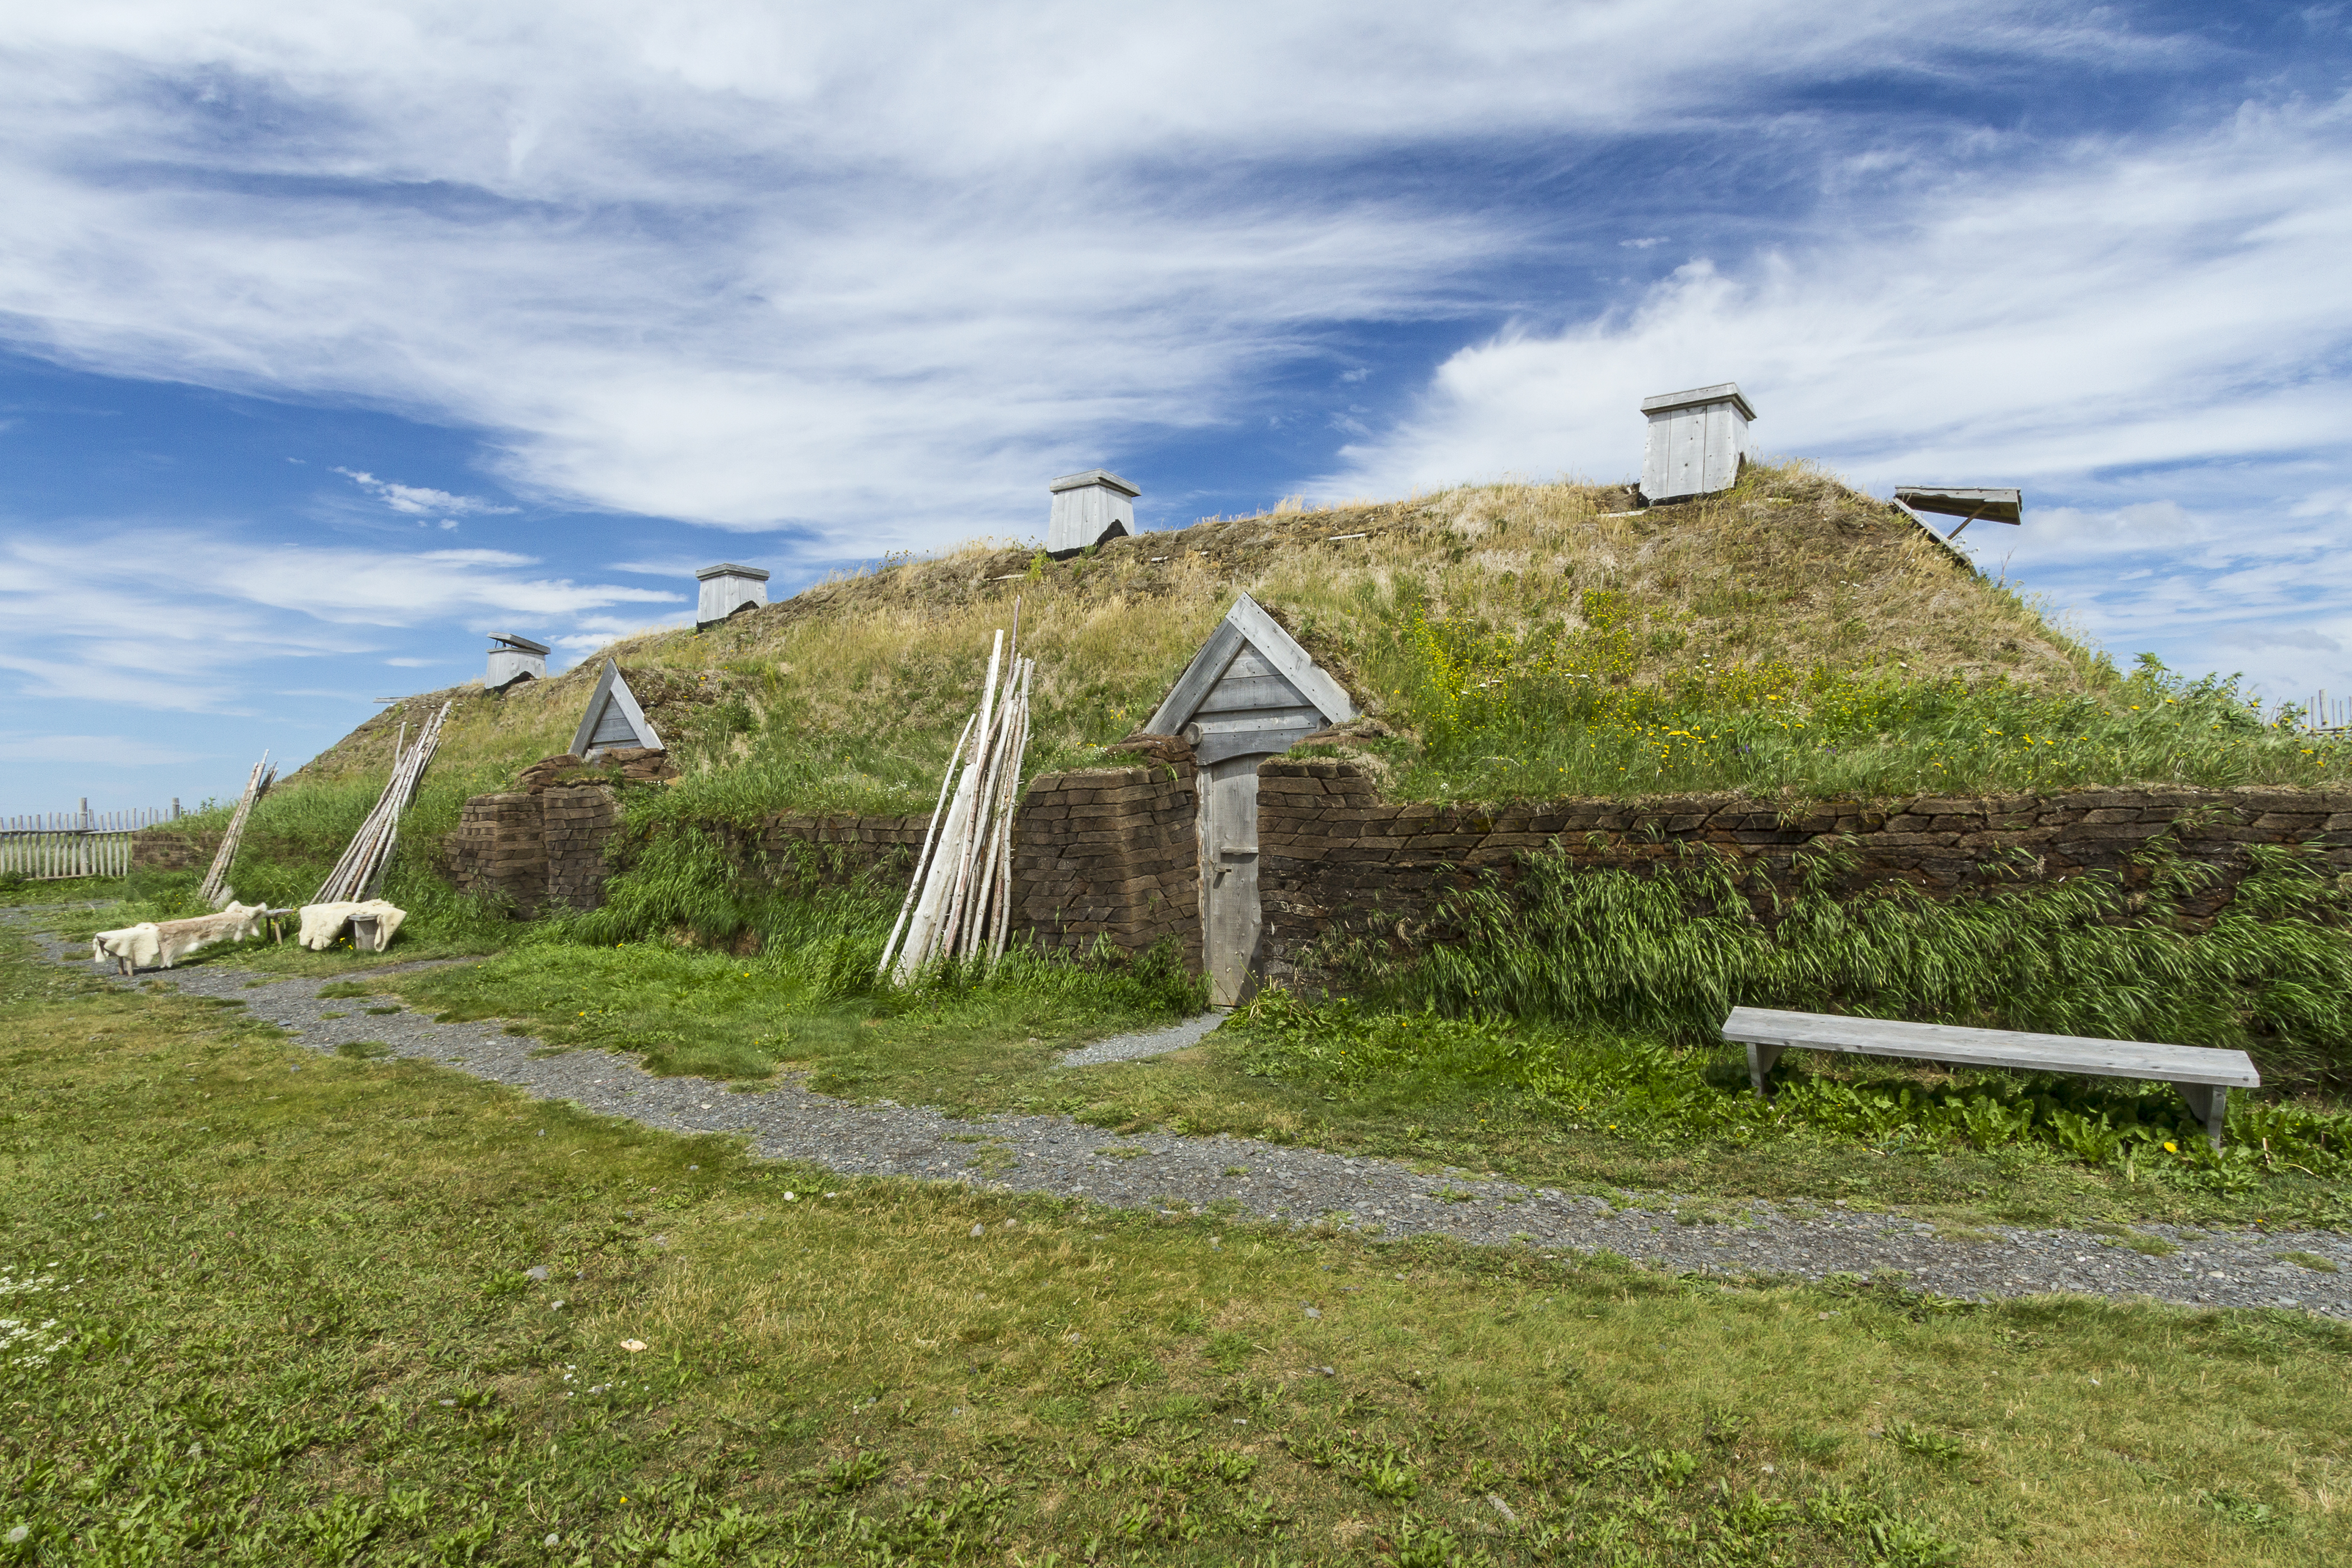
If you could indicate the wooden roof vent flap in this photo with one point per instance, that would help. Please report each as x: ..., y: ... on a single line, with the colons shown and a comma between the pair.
x: 1968, y: 504
x: 1251, y: 690
x: 614, y: 718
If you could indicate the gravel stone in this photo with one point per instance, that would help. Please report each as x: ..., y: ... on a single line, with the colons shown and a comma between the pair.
x: 1179, y: 1177
x: 1150, y: 1043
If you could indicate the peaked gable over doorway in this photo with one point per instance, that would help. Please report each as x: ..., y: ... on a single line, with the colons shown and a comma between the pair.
x: 1250, y: 692
x: 614, y: 718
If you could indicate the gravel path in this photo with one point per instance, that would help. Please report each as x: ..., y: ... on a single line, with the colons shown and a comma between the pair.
x: 1179, y: 1175
x: 1150, y: 1043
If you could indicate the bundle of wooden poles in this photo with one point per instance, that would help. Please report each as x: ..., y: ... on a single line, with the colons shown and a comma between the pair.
x: 960, y: 902
x: 358, y: 873
x: 214, y: 889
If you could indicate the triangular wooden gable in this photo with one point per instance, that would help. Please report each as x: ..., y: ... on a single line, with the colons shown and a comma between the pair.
x: 1251, y: 689
x: 613, y: 717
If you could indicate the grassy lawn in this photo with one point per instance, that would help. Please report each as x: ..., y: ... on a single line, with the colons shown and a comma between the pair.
x: 1577, y: 1105
x: 278, y: 1307
x: 684, y: 1011
x: 1622, y: 1112
x: 15, y: 893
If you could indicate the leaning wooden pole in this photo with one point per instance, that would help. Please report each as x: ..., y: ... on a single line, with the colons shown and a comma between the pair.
x: 1005, y: 776
x: 214, y: 889
x: 363, y: 861
x: 941, y: 893
x: 1004, y: 787
x: 1012, y: 804
x: 989, y: 701
x: 923, y: 855
x: 956, y: 931
x: 968, y: 935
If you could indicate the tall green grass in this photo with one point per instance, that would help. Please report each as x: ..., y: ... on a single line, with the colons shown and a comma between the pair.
x: 1556, y: 711
x: 1669, y: 954
x: 699, y: 881
x: 1675, y: 1098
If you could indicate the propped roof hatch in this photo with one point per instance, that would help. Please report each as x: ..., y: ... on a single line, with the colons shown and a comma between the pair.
x: 1250, y: 690
x: 1968, y: 504
x: 614, y: 718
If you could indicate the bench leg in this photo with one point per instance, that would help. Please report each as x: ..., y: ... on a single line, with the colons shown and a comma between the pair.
x: 2210, y: 1103
x: 1759, y: 1067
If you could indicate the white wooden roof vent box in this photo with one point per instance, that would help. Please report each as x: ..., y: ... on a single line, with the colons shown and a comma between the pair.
x: 1250, y: 692
x: 514, y: 658
x: 614, y: 718
x: 1695, y: 445
x: 1089, y: 508
x: 726, y: 589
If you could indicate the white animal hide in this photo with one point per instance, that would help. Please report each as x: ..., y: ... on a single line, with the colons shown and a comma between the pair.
x: 323, y: 923
x: 238, y: 922
x: 130, y: 948
x: 152, y: 945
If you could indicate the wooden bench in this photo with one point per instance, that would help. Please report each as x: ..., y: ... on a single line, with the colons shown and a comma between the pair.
x: 2203, y: 1077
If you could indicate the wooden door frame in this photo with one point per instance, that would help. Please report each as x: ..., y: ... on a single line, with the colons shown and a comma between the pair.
x: 1212, y: 871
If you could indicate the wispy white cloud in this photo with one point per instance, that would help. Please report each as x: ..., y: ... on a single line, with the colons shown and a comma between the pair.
x: 2159, y: 327
x: 90, y: 618
x: 682, y: 567
x: 2122, y: 305
x: 2221, y: 588
x: 879, y: 271
x: 420, y: 501
x: 104, y: 750
x: 601, y: 631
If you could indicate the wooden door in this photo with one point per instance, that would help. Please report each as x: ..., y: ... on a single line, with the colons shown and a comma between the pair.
x: 1231, y: 921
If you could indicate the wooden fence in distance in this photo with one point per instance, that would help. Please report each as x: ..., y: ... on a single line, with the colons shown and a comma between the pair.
x: 54, y: 846
x: 2328, y: 716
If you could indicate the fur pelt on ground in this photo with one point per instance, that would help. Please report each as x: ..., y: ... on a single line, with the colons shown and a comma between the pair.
x: 130, y: 948
x: 322, y: 923
x: 152, y: 945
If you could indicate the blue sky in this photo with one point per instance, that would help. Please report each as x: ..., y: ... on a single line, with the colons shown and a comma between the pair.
x: 332, y: 337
